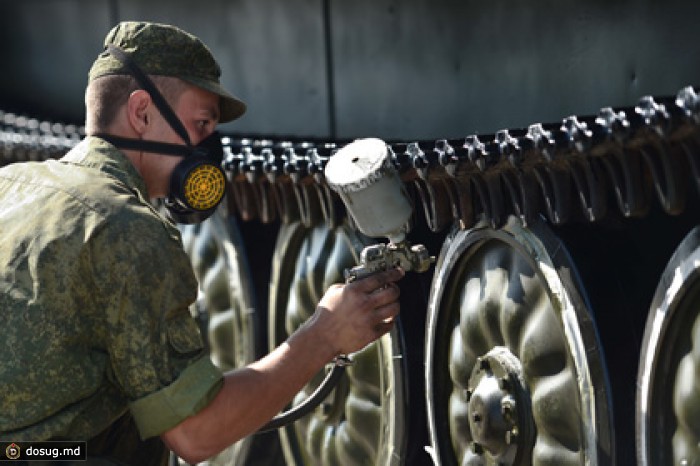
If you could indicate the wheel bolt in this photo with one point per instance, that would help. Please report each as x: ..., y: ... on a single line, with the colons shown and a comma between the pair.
x: 507, y: 407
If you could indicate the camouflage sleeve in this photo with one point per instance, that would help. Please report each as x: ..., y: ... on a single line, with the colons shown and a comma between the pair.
x: 157, y: 358
x: 191, y: 392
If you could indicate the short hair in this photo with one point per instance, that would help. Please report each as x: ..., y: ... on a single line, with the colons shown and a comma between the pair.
x: 105, y: 96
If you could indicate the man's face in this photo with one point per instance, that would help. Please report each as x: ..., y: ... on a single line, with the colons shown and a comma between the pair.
x: 198, y: 110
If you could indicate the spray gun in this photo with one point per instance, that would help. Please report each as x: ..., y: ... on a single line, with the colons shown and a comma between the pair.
x: 364, y: 177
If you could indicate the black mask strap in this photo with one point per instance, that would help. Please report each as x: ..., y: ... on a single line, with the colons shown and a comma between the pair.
x: 176, y: 150
x: 148, y: 86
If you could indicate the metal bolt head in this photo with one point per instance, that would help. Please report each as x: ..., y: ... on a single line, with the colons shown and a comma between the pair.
x: 507, y: 406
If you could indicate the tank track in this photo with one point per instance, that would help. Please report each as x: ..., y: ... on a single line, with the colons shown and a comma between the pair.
x: 25, y: 139
x: 581, y: 168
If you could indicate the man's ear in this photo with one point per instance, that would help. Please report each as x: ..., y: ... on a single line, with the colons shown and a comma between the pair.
x: 138, y: 110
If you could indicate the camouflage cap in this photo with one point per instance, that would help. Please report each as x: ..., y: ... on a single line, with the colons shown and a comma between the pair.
x: 161, y: 49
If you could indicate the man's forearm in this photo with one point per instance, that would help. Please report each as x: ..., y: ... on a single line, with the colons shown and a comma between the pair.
x: 347, y: 318
x: 250, y: 397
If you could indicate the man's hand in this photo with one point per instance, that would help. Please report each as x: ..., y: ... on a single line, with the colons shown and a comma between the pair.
x: 351, y: 316
x: 347, y: 318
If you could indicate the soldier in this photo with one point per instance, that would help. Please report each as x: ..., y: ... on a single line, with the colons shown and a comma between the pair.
x: 97, y: 340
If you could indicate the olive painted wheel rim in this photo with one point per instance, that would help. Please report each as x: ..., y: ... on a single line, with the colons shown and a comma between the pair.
x: 505, y: 317
x: 362, y: 421
x: 668, y: 393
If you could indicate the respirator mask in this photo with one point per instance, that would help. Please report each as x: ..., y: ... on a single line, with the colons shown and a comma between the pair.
x: 198, y: 183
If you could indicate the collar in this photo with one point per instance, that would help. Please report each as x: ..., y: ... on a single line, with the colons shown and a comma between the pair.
x: 95, y: 152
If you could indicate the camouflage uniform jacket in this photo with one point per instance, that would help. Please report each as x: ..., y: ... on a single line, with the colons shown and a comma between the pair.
x: 94, y: 295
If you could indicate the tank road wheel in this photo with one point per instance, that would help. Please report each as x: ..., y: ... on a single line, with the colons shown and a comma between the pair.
x: 514, y: 373
x: 362, y: 420
x: 225, y: 309
x: 668, y: 383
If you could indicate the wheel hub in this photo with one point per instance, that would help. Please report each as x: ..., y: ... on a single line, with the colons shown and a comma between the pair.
x: 499, y: 409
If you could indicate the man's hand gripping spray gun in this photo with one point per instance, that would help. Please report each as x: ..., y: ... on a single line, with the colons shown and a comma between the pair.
x: 364, y: 177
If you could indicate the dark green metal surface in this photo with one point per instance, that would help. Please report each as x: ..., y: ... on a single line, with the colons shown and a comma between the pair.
x: 396, y: 69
